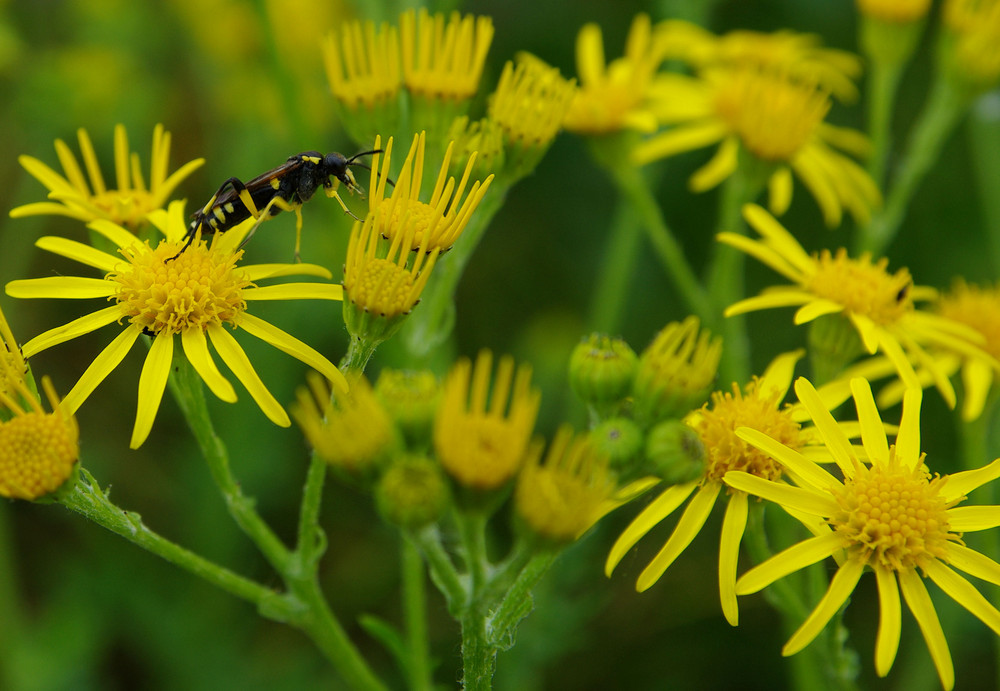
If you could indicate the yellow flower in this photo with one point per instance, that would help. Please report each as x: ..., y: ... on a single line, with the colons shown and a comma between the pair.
x: 888, y: 514
x: 757, y: 405
x: 12, y: 365
x: 530, y: 103
x: 563, y: 497
x: 349, y: 430
x: 974, y: 50
x: 800, y: 56
x: 128, y: 204
x: 620, y: 95
x: 880, y: 305
x: 193, y: 295
x: 443, y: 60
x: 894, y: 11
x: 435, y: 224
x: 482, y: 443
x: 777, y: 120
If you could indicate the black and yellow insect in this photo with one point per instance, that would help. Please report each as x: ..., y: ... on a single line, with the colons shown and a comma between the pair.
x: 286, y: 188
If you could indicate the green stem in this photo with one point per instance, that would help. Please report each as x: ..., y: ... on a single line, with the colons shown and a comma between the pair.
x: 883, y: 83
x: 513, y: 607
x: 91, y: 502
x: 187, y: 389
x: 613, y: 280
x: 359, y: 352
x: 442, y: 569
x: 11, y: 614
x: 945, y: 105
x: 415, y: 615
x: 984, y: 132
x: 726, y: 276
x: 632, y: 186
x: 311, y: 541
x: 478, y: 650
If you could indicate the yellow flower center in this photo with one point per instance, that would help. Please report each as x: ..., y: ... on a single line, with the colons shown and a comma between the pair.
x: 893, y: 517
x: 200, y: 287
x: 717, y: 428
x: 37, y: 454
x: 383, y: 288
x: 480, y: 453
x: 976, y: 307
x: 125, y: 208
x: 862, y: 287
x: 774, y: 116
x: 418, y: 217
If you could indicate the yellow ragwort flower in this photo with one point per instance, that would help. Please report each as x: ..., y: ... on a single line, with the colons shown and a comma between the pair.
x: 128, y: 203
x: 759, y: 406
x: 436, y: 223
x: 888, y: 514
x: 481, y: 439
x: 620, y: 95
x: 443, y: 60
x: 38, y: 450
x: 799, y: 56
x: 974, y: 30
x: 530, y: 103
x: 349, y: 430
x: 780, y: 122
x: 560, y: 499
x: 363, y: 66
x: 880, y: 305
x: 894, y: 11
x: 979, y: 309
x: 193, y: 294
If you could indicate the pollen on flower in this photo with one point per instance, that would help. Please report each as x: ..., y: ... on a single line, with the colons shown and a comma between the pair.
x: 893, y: 516
x: 423, y: 218
x: 862, y: 287
x: 199, y: 287
x: 38, y: 450
x: 774, y: 116
x: 717, y: 424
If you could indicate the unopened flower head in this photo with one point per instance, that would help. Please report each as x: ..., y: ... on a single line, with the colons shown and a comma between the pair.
x: 894, y: 11
x: 432, y: 225
x: 676, y: 371
x: 530, y: 104
x: 128, y: 203
x: 199, y: 295
x: 412, y: 492
x: 888, y: 514
x: 561, y: 498
x: 349, y: 430
x: 620, y: 95
x: 800, y: 57
x: 365, y: 75
x: 481, y: 432
x: 879, y: 304
x: 411, y: 397
x: 479, y: 141
x: 38, y: 450
x: 443, y: 58
x: 601, y: 370
x: 12, y: 365
x: 757, y: 405
x: 779, y: 121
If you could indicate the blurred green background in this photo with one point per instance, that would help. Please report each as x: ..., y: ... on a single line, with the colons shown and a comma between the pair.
x: 242, y: 85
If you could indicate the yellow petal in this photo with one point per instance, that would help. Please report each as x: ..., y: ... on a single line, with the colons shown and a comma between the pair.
x: 76, y: 287
x: 152, y: 382
x: 841, y: 586
x: 872, y: 431
x: 788, y: 561
x: 100, y: 368
x: 196, y: 350
x: 657, y: 510
x: 920, y: 604
x: 294, y: 347
x: 889, y: 621
x: 237, y: 361
x: 733, y: 525
x: 257, y: 272
x: 296, y: 291
x: 77, y: 251
x: 66, y: 332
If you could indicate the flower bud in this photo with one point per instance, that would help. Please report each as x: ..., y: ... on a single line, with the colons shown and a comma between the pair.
x: 601, y: 370
x: 412, y: 492
x: 675, y: 452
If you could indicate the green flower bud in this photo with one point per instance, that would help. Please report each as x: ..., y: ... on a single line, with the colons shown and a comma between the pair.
x: 412, y: 492
x: 601, y: 369
x: 411, y: 398
x: 621, y: 441
x: 675, y: 452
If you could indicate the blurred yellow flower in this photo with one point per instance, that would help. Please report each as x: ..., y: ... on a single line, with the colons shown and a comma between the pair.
x: 887, y: 514
x: 777, y: 120
x: 880, y: 305
x: 530, y: 103
x: 163, y: 293
x: 363, y: 65
x: 128, y: 203
x: 894, y: 11
x: 443, y: 59
x: 974, y: 51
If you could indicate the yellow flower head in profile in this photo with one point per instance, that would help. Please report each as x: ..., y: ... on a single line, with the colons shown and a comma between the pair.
x: 619, y: 95
x: 12, y: 365
x: 777, y: 119
x: 563, y: 497
x: 480, y: 435
x: 879, y: 304
x: 895, y: 11
x: 887, y: 514
x: 443, y: 59
x: 436, y: 223
x: 530, y: 103
x: 128, y: 203
x: 800, y: 56
x: 757, y: 405
x: 974, y: 50
x: 199, y: 295
x: 363, y: 65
